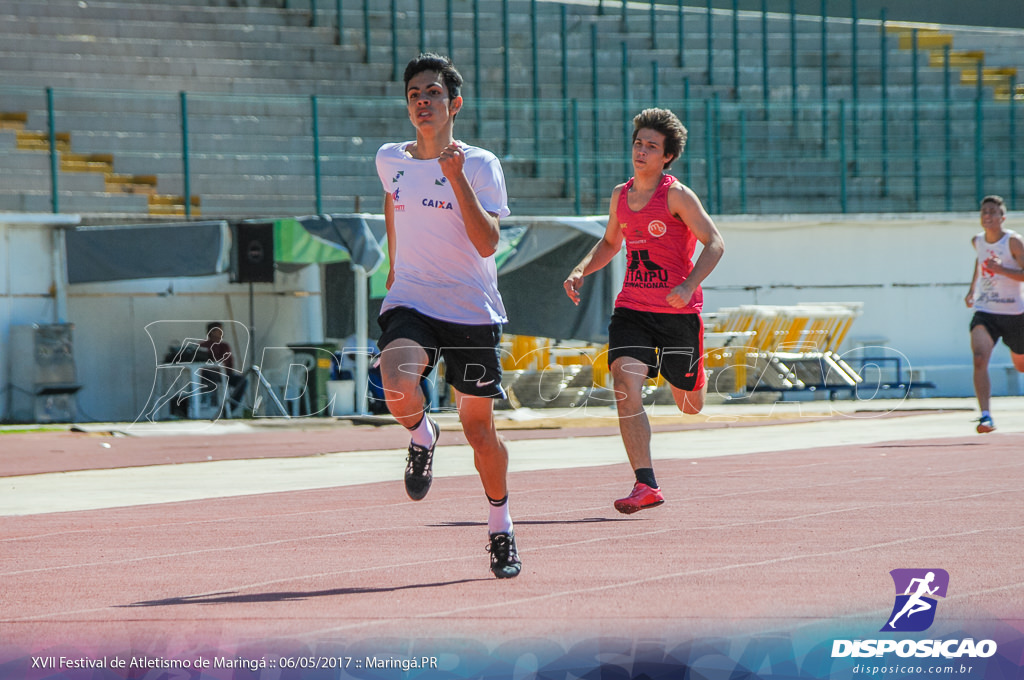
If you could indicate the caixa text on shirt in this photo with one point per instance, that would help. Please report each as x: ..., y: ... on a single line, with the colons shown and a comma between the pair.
x: 437, y: 203
x: 950, y: 649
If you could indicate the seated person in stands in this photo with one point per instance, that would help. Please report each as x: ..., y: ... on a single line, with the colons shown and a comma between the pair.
x: 220, y: 354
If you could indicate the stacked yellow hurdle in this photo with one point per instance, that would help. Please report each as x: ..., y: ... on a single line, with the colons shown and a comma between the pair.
x: 784, y: 347
x: 540, y: 372
x: 750, y: 347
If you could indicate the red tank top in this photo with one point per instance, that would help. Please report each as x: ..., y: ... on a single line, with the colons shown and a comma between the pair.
x: 659, y: 253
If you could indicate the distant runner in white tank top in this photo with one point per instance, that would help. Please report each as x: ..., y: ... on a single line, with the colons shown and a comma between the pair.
x: 997, y: 293
x: 997, y: 297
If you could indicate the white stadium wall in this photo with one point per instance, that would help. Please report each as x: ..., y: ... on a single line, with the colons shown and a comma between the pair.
x: 910, y: 272
x: 123, y: 329
x: 115, y: 355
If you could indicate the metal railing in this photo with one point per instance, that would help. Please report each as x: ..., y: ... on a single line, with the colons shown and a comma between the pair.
x: 291, y: 155
x: 765, y: 147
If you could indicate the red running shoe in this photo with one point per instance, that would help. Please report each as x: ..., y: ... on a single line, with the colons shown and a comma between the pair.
x: 642, y: 497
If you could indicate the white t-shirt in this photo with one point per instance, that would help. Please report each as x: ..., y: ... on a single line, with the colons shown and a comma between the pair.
x: 994, y: 293
x: 438, y: 271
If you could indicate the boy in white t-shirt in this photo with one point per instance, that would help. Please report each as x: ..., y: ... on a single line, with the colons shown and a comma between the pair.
x: 997, y: 296
x: 442, y: 203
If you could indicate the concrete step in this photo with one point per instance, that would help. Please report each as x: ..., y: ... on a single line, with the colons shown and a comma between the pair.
x: 161, y: 48
x: 25, y: 161
x: 14, y: 177
x: 131, y: 66
x: 79, y: 162
x: 170, y: 204
x: 167, y: 84
x: 34, y: 140
x: 211, y: 185
x: 76, y: 196
x: 135, y: 12
x: 210, y: 50
x: 241, y: 70
x: 86, y: 108
x: 808, y: 43
x: 131, y: 184
x: 297, y: 35
x: 13, y: 120
x: 265, y: 4
x: 92, y: 202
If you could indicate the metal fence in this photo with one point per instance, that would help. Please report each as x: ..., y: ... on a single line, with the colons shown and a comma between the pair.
x: 769, y: 137
x: 243, y: 155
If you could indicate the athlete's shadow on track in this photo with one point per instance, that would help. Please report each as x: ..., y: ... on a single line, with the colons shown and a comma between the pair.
x: 234, y: 598
x: 587, y: 520
x: 925, y: 445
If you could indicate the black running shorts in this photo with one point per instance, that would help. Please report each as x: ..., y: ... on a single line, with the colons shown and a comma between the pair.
x: 672, y: 344
x: 1009, y: 327
x: 470, y: 352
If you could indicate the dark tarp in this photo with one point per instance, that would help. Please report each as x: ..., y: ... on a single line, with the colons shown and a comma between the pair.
x: 150, y: 251
x: 349, y: 233
x: 534, y: 257
x: 147, y: 251
x: 537, y: 304
x: 530, y: 279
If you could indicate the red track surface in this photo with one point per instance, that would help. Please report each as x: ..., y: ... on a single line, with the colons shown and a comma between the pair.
x: 744, y: 544
x: 41, y: 452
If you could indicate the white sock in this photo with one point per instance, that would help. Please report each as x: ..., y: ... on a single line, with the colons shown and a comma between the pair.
x: 499, y: 521
x: 423, y: 434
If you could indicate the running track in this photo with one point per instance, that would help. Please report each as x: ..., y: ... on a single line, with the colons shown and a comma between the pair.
x: 786, y: 524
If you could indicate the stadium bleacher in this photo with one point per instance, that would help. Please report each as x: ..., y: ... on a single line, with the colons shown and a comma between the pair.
x: 873, y: 125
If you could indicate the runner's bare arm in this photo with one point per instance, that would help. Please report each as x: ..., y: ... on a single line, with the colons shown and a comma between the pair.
x: 1017, y: 250
x: 685, y: 205
x: 389, y: 224
x: 600, y: 255
x: 482, y: 227
x: 969, y: 298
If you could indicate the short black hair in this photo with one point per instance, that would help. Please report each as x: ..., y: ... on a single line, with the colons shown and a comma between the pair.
x: 442, y: 65
x: 998, y: 200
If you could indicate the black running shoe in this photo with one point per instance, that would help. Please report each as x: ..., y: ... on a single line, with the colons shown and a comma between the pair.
x: 418, y: 472
x: 504, y: 556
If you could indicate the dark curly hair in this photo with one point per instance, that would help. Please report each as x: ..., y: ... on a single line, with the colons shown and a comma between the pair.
x: 665, y: 122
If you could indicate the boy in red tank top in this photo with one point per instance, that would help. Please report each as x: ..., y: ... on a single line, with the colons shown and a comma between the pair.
x: 656, y: 326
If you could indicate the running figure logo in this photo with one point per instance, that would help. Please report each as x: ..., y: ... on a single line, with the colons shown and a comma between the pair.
x: 916, y: 589
x: 643, y: 257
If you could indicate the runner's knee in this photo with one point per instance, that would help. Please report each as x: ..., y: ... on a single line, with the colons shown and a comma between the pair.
x: 690, y: 403
x: 981, y: 355
x: 628, y: 378
x: 482, y: 436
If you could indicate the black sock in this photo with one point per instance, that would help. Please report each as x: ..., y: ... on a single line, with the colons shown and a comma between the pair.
x: 646, y: 476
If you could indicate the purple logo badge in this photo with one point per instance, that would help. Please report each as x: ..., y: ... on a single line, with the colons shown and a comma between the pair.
x: 917, y: 591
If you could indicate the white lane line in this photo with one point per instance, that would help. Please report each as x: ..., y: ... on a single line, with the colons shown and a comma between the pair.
x: 98, y: 489
x: 673, y: 575
x: 631, y: 535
